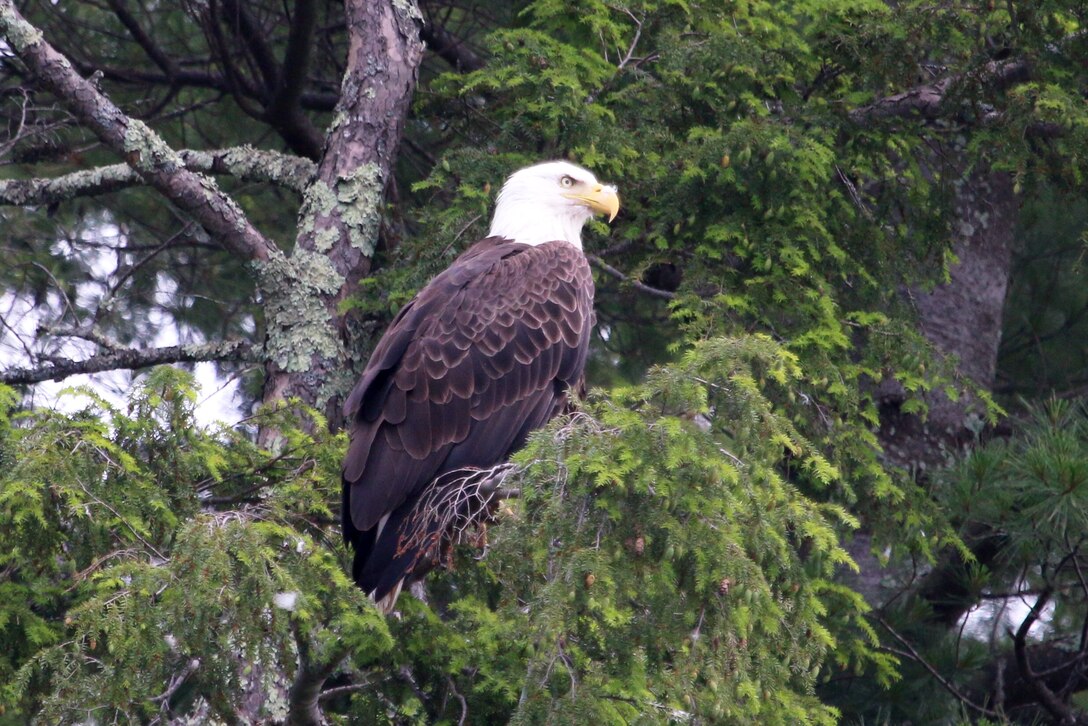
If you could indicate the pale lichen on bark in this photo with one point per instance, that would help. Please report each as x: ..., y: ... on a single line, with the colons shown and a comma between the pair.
x: 408, y: 10
x: 19, y: 34
x: 294, y: 290
x: 246, y: 162
x: 360, y: 196
x: 152, y: 152
x: 355, y: 202
x: 318, y: 199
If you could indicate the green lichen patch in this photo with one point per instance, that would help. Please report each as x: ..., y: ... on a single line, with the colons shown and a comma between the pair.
x: 299, y: 326
x: 325, y: 239
x: 318, y: 199
x: 360, y: 197
x: 147, y: 149
x: 19, y: 34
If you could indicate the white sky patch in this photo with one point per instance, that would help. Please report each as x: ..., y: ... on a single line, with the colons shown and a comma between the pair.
x: 21, y: 345
x: 993, y: 617
x: 285, y: 600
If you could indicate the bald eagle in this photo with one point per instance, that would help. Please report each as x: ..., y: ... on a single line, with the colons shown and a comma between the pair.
x: 483, y: 355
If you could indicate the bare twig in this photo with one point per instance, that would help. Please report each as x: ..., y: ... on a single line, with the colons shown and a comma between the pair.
x: 341, y: 690
x: 176, y: 680
x: 634, y: 41
x: 638, y: 285
x: 915, y: 656
x: 460, y: 699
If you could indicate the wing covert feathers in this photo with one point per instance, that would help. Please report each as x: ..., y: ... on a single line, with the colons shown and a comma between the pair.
x: 483, y: 355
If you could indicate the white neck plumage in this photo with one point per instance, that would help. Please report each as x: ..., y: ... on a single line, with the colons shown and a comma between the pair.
x: 531, y: 223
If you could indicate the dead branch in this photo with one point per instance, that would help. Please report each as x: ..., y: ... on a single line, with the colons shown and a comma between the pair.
x: 638, y: 285
x: 242, y: 162
x: 131, y: 359
x: 928, y: 101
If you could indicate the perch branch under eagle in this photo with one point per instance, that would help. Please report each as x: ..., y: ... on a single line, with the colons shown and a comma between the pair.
x: 483, y: 355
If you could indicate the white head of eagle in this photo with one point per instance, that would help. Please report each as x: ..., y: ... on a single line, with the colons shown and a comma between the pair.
x: 482, y: 356
x: 549, y: 202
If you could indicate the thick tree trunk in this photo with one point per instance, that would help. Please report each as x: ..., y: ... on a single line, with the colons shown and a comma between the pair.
x: 962, y: 319
x: 308, y: 342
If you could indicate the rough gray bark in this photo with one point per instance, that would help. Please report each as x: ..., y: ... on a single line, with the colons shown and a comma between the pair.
x: 307, y: 336
x: 961, y: 318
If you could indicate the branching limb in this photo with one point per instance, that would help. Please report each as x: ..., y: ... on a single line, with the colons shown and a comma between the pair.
x: 281, y: 84
x: 131, y: 359
x: 928, y: 100
x: 353, y: 173
x: 1053, y: 705
x: 313, y: 670
x: 638, y: 285
x: 176, y: 682
x: 142, y: 148
x: 242, y: 162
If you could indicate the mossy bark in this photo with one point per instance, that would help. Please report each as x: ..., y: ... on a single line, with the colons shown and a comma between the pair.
x: 307, y: 336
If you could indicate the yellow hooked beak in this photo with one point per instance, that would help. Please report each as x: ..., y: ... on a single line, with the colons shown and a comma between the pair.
x: 600, y: 198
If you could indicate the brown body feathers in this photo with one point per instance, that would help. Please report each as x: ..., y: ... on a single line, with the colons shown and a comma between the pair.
x: 482, y: 356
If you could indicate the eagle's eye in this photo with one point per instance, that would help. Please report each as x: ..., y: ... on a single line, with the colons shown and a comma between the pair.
x: 566, y: 182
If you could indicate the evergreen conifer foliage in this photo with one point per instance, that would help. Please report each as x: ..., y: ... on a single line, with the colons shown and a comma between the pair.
x: 796, y: 176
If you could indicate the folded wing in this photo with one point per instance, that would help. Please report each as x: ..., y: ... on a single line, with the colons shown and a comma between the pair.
x: 485, y: 354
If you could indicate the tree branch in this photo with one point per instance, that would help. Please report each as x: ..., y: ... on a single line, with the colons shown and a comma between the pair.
x: 143, y: 149
x: 242, y: 24
x: 914, y: 655
x: 638, y: 285
x: 309, y: 100
x: 304, y: 709
x: 929, y: 100
x: 282, y: 84
x: 450, y: 48
x: 131, y: 359
x: 241, y: 162
x: 342, y: 208
x: 296, y: 59
x: 154, y: 52
x: 1058, y: 710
